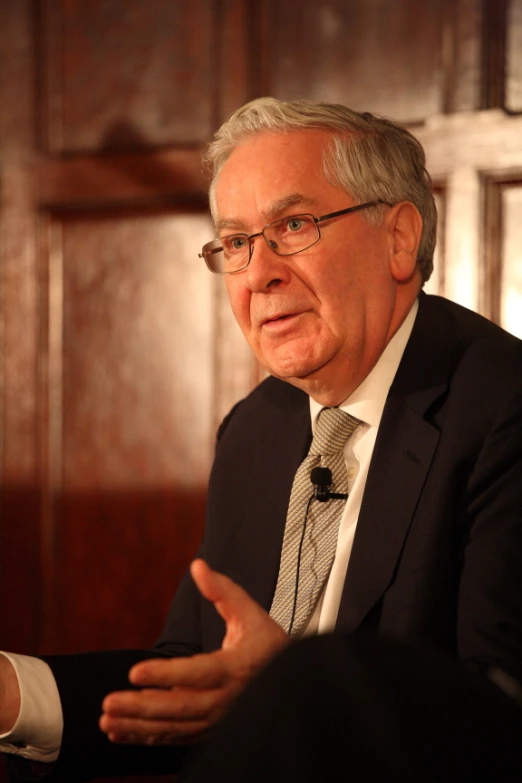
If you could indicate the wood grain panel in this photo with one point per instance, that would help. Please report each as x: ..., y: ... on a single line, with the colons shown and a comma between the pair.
x: 137, y: 333
x: 490, y: 260
x: 127, y: 74
x: 19, y: 294
x: 514, y: 56
x: 356, y: 53
x: 488, y: 141
x: 120, y: 179
x: 237, y: 52
x: 511, y: 274
x: 494, y: 53
x: 502, y: 254
x: 462, y: 53
x: 473, y: 153
x: 130, y: 422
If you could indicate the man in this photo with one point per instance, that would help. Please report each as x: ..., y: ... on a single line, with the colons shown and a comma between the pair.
x: 326, y: 228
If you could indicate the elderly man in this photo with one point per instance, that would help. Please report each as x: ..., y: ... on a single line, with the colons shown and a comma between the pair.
x: 372, y: 484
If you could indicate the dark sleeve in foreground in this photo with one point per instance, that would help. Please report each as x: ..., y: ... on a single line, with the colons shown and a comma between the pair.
x: 83, y: 681
x: 351, y: 707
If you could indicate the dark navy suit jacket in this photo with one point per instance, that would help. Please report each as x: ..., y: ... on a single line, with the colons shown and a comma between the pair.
x: 437, y: 555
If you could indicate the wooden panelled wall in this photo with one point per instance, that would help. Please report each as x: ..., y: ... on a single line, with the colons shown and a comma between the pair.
x: 119, y: 355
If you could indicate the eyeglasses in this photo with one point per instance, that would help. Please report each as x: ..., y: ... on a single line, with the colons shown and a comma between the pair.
x: 286, y: 237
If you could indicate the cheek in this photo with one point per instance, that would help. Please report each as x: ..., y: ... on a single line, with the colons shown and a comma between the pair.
x: 239, y: 297
x: 345, y: 305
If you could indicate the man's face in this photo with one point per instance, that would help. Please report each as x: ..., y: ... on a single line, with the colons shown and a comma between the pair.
x: 319, y: 319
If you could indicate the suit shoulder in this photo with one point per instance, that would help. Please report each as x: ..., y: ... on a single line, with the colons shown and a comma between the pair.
x: 271, y: 397
x: 466, y: 325
x: 469, y: 334
x: 452, y: 349
x: 478, y: 352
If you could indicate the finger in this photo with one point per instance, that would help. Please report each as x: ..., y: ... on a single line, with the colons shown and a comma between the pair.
x: 140, y: 732
x: 207, y: 670
x: 179, y: 704
x: 230, y: 600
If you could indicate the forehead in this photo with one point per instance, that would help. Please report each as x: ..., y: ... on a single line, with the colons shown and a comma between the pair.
x: 275, y: 172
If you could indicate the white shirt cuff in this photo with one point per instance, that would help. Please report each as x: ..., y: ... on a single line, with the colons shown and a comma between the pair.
x: 37, y: 733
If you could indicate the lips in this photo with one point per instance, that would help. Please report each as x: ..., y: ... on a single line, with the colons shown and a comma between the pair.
x: 276, y: 318
x: 281, y: 325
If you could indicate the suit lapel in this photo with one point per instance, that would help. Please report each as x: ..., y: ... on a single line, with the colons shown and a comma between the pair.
x: 403, y: 453
x: 399, y: 468
x: 282, y: 441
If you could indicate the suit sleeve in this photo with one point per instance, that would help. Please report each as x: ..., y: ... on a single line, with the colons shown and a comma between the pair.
x: 84, y: 680
x: 489, y: 629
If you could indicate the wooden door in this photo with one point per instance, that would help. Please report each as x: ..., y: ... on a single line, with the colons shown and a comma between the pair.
x: 109, y: 391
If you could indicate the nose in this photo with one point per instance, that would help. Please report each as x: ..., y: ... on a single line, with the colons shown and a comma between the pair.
x: 266, y: 269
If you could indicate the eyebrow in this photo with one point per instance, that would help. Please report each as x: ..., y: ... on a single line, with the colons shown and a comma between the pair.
x: 270, y: 214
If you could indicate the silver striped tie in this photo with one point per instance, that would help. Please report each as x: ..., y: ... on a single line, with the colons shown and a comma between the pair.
x: 306, y: 559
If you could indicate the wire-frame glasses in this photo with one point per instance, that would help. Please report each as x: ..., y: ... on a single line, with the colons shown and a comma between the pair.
x: 286, y: 237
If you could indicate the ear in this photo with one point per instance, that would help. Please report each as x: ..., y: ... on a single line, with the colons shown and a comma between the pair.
x: 404, y: 225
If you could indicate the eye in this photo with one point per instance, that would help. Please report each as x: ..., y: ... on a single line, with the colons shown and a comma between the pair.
x: 294, y: 224
x: 235, y: 244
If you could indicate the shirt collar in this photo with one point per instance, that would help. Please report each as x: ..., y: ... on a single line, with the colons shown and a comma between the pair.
x: 367, y: 401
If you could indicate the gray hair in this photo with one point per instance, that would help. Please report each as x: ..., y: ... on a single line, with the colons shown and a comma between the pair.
x: 370, y: 157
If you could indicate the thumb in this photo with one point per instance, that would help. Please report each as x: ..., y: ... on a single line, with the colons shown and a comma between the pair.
x: 230, y: 600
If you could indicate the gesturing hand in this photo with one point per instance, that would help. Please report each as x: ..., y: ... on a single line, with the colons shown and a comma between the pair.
x: 182, y: 697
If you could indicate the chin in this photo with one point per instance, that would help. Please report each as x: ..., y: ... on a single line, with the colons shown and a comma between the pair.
x: 293, y: 372
x: 293, y: 366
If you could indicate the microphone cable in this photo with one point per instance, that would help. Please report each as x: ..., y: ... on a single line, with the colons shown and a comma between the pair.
x: 321, y: 478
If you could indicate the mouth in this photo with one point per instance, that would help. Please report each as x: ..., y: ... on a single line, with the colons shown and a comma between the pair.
x: 281, y: 323
x: 278, y: 318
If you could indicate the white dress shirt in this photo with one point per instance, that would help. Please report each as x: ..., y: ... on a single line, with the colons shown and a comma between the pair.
x: 37, y: 734
x: 367, y: 404
x: 38, y: 731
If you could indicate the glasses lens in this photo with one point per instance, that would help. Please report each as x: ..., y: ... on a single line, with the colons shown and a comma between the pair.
x: 228, y: 254
x: 292, y: 234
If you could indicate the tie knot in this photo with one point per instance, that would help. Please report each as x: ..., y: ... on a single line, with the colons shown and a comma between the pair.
x: 333, y: 429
